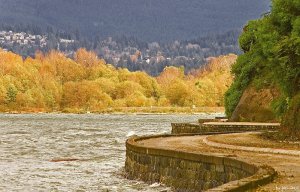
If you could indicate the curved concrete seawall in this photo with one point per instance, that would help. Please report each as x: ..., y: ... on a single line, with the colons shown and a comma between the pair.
x: 185, y: 171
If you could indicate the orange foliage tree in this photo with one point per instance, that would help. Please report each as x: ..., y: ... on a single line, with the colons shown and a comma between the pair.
x: 53, y: 81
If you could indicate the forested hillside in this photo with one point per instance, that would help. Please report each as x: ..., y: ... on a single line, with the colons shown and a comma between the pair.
x: 140, y: 35
x: 271, y: 61
x: 148, y: 20
x: 54, y: 82
x: 128, y: 52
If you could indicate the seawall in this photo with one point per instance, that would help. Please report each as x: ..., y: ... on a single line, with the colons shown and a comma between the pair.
x: 186, y: 171
x: 228, y: 127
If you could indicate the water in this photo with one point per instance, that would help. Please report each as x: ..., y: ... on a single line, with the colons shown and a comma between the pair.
x: 29, y: 142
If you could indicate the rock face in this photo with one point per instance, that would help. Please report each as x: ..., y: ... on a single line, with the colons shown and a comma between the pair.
x: 255, y: 105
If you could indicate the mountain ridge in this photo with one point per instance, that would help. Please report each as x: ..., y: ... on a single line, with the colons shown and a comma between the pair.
x: 150, y: 20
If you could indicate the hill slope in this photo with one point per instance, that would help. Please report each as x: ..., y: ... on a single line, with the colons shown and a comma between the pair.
x: 150, y: 20
x: 271, y: 60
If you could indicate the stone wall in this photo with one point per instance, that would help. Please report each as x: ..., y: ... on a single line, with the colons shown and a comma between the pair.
x: 200, y: 121
x: 221, y: 127
x: 183, y: 128
x: 186, y: 171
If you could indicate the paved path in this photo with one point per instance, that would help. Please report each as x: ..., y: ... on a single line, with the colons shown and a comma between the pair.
x: 251, y: 149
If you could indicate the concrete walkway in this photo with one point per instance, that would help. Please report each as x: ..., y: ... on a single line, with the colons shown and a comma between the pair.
x: 252, y: 149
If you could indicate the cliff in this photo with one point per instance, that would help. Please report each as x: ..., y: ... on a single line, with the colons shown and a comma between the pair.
x: 256, y: 105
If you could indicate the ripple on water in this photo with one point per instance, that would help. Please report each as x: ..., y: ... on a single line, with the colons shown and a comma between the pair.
x: 30, y: 142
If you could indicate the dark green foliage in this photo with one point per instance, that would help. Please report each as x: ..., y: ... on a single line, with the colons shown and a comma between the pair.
x: 270, y: 44
x: 279, y: 106
x: 291, y: 119
x: 11, y: 94
x: 248, y: 37
x: 232, y: 97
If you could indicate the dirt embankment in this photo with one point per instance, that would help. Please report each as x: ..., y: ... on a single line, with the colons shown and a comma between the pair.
x: 255, y: 105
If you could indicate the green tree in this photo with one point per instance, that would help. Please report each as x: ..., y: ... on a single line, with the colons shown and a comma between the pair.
x: 271, y: 56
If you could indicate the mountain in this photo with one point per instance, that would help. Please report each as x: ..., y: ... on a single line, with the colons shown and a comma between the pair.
x: 149, y: 20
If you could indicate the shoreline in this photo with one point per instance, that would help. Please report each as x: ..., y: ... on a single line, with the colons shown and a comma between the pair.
x: 129, y: 111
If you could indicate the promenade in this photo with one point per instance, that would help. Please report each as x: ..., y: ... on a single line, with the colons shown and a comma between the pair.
x: 284, y: 158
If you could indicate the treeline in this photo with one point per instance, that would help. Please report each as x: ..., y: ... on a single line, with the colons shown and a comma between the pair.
x: 128, y: 52
x: 54, y: 82
x: 154, y: 57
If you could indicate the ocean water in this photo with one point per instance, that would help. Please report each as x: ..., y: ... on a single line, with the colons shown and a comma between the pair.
x: 30, y: 142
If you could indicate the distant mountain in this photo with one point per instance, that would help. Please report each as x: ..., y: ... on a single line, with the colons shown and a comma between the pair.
x: 124, y: 52
x: 148, y: 20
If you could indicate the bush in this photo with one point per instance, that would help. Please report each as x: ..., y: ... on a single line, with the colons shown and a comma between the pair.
x: 291, y: 120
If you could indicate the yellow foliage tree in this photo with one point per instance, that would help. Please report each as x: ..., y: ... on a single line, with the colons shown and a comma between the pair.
x: 53, y: 81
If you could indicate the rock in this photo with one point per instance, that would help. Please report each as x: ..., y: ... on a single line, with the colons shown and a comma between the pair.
x: 255, y: 105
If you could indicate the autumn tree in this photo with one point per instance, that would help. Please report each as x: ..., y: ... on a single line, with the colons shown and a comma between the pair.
x: 52, y: 81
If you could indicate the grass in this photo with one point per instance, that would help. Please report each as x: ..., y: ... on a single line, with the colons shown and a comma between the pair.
x: 280, y: 136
